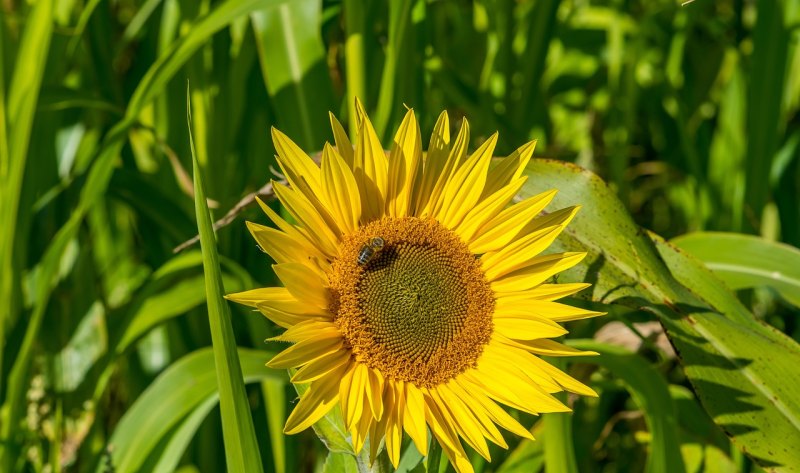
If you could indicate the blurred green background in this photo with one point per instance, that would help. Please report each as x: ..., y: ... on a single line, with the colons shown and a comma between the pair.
x: 690, y: 113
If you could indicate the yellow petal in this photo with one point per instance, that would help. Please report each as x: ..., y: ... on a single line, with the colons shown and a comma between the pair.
x: 488, y: 428
x: 370, y: 167
x: 361, y: 429
x: 520, y: 362
x: 464, y: 190
x: 541, y: 309
x: 500, y: 230
x: 547, y: 347
x: 300, y: 170
x: 320, y: 397
x: 316, y: 329
x: 434, y: 162
x: 252, y: 297
x: 462, y: 419
x: 343, y: 145
x: 518, y: 254
x: 495, y: 412
x: 319, y: 228
x: 303, y: 283
x: 563, y: 379
x: 375, y: 383
x: 340, y: 190
x: 509, y: 168
x: 297, y: 234
x: 509, y: 386
x: 544, y: 292
x: 559, y: 217
x: 378, y: 429
x: 403, y: 163
x: 394, y: 424
x: 458, y: 153
x: 447, y: 437
x: 414, y: 418
x: 536, y: 272
x: 321, y: 367
x: 279, y: 298
x: 352, y: 391
x: 527, y: 327
x: 284, y: 249
x: 280, y: 306
x: 487, y: 209
x: 305, y: 352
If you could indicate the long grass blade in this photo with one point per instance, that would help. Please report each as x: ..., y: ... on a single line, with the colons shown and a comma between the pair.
x: 241, y: 446
x: 23, y: 94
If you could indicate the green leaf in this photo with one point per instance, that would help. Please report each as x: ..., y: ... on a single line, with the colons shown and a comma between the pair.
x: 744, y: 372
x: 338, y: 462
x: 292, y: 58
x: 765, y: 95
x: 745, y: 261
x: 241, y: 446
x: 16, y: 118
x: 172, y: 403
x: 175, y: 288
x: 559, y: 450
x: 650, y: 392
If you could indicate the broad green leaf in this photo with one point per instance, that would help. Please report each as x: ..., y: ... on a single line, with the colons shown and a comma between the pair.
x: 169, y: 405
x: 743, y: 372
x: 650, y: 392
x: 745, y: 261
x: 241, y: 446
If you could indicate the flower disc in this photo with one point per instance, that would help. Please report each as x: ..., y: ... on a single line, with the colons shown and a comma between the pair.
x: 420, y: 310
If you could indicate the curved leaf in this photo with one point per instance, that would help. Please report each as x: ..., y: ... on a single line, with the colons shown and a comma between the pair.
x: 171, y: 400
x: 744, y: 372
x: 745, y: 261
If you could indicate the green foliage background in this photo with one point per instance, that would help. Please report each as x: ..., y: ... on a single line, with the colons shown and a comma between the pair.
x: 689, y: 113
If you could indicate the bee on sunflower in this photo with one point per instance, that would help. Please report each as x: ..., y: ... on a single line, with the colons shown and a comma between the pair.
x: 415, y: 292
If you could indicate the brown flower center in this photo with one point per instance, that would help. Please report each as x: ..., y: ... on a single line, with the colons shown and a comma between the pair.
x: 418, y: 308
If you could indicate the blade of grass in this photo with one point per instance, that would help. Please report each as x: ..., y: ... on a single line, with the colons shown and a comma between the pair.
x: 23, y: 94
x: 241, y: 446
x: 274, y: 392
x: 559, y: 449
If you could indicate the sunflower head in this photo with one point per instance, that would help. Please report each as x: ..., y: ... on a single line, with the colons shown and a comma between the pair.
x: 415, y: 289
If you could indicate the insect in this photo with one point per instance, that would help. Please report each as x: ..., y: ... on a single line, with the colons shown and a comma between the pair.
x: 369, y: 250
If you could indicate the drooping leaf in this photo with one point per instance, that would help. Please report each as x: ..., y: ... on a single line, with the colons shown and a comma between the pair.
x: 188, y: 386
x: 744, y: 372
x: 745, y: 261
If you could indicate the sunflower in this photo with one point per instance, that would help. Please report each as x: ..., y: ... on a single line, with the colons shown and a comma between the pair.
x: 415, y: 293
